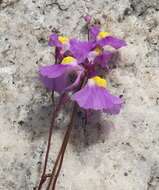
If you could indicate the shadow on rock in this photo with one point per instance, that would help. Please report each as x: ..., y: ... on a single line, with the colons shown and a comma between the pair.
x: 96, y: 131
x: 38, y: 120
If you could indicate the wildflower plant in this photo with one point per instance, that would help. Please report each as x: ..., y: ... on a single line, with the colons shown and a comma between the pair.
x: 76, y: 76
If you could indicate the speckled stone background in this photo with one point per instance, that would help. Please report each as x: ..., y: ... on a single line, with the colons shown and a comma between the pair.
x: 121, y: 152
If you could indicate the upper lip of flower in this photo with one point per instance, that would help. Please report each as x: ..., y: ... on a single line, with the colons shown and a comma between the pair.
x: 80, y: 49
x: 102, y: 38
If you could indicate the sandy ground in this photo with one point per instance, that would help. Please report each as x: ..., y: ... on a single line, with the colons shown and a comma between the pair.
x: 101, y: 157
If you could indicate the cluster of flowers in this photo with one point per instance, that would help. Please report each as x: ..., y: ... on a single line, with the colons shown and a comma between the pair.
x: 77, y: 67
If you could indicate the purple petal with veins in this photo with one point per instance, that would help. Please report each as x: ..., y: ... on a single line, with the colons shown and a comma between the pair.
x: 111, y: 41
x: 80, y: 49
x: 60, y: 77
x: 97, y: 98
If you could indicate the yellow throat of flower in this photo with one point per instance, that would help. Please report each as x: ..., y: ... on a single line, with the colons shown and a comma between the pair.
x: 98, y: 51
x: 99, y: 81
x: 63, y: 39
x: 102, y: 35
x: 68, y: 60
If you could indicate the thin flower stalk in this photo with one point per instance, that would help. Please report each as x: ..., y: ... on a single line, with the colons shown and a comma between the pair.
x: 55, y: 113
x: 59, y: 160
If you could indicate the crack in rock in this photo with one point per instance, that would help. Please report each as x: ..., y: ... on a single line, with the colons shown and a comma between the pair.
x: 146, y: 9
x: 7, y: 3
x: 60, y: 7
x: 140, y: 7
x: 153, y: 182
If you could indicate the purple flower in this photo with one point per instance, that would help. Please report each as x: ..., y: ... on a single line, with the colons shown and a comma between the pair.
x: 60, y: 42
x: 61, y: 77
x: 95, y: 96
x: 80, y: 61
x: 75, y: 77
x: 104, y: 38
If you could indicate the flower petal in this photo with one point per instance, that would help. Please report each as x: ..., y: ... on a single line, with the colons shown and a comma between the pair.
x: 93, y: 32
x: 53, y: 41
x: 58, y: 84
x: 53, y: 71
x: 112, y: 41
x: 59, y: 77
x: 80, y: 49
x: 103, y: 59
x: 97, y: 98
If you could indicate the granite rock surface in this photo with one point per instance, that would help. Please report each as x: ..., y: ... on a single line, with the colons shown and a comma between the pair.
x: 116, y: 153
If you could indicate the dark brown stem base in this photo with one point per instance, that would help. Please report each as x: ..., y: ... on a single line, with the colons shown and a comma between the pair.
x: 59, y: 160
x: 55, y: 113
